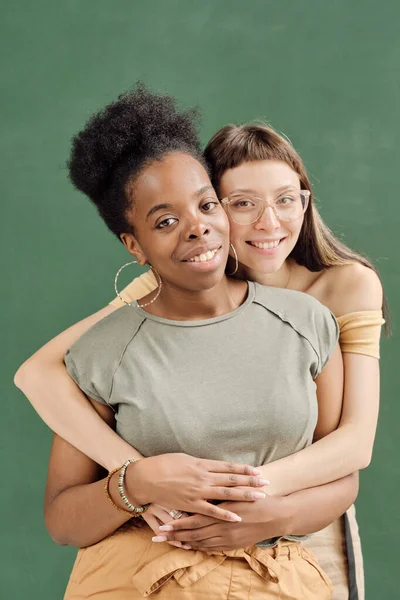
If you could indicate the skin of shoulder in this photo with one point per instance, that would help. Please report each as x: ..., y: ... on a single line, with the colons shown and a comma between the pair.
x: 350, y: 288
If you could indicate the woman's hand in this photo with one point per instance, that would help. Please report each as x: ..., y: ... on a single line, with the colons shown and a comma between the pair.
x: 156, y: 516
x: 260, y: 520
x: 182, y: 482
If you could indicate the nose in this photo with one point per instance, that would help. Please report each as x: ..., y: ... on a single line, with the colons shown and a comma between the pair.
x: 196, y: 228
x: 268, y: 220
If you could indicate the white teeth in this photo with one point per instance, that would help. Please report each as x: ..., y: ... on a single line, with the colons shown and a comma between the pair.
x: 265, y: 245
x: 203, y: 257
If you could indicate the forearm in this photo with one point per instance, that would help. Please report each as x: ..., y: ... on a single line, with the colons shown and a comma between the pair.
x: 313, y: 509
x: 44, y: 380
x: 335, y: 456
x: 67, y: 411
x: 82, y: 515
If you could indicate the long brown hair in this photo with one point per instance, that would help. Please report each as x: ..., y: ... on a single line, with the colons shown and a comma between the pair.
x: 317, y: 247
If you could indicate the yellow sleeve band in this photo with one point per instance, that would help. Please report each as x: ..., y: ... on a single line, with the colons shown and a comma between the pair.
x: 360, y: 332
x: 138, y: 288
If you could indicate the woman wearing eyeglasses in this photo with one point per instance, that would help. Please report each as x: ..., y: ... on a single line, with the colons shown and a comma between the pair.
x: 278, y: 240
x: 257, y: 175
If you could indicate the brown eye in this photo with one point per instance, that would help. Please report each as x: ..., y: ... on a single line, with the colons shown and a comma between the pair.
x: 208, y: 206
x: 285, y: 200
x: 166, y: 223
x: 243, y: 203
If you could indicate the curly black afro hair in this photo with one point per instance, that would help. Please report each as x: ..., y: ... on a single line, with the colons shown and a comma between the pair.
x: 123, y: 138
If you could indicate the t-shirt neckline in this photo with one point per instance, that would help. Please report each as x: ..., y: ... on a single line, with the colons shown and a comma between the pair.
x: 202, y: 322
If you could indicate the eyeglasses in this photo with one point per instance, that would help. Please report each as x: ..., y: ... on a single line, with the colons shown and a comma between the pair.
x: 245, y: 209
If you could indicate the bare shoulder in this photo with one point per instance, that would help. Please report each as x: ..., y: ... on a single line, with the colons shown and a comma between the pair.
x: 351, y: 288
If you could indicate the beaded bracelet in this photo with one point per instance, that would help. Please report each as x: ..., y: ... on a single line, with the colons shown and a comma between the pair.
x: 136, y: 511
x: 108, y: 495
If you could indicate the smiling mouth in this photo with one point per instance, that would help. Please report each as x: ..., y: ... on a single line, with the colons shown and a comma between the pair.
x: 265, y: 245
x: 205, y: 257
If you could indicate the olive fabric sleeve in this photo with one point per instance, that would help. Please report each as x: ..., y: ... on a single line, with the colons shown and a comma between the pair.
x: 308, y: 317
x: 94, y: 359
x: 326, y: 334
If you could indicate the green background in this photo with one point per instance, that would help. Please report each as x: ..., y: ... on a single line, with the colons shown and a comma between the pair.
x: 325, y: 73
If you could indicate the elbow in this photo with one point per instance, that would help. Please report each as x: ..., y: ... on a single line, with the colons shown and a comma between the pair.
x: 57, y: 527
x: 64, y: 530
x: 57, y: 540
x: 355, y: 485
x: 26, y: 374
x: 19, y: 377
x: 365, y: 460
x: 57, y: 534
x: 359, y: 452
x: 61, y: 535
x: 364, y: 455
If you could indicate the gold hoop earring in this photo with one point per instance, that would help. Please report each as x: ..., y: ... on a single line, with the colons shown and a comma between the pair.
x: 236, y: 260
x: 156, y: 275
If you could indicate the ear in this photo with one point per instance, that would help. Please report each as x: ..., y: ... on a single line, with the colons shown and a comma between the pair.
x: 133, y: 247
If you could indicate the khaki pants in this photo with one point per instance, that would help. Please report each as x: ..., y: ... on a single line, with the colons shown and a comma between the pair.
x: 338, y: 549
x: 129, y: 566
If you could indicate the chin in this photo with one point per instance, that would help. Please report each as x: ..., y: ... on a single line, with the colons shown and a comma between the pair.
x: 205, y: 282
x: 265, y: 266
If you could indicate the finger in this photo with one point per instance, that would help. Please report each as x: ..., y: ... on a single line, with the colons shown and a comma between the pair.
x: 233, y: 480
x: 210, y: 510
x: 219, y: 466
x: 234, y: 494
x: 164, y: 514
x: 161, y: 514
x: 179, y: 545
x: 213, y: 542
x: 189, y: 537
x: 152, y: 522
x: 194, y: 522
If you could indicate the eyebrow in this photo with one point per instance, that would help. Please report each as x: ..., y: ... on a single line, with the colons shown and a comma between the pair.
x: 206, y: 188
x: 283, y: 188
x: 156, y: 208
x: 252, y: 191
x: 163, y: 206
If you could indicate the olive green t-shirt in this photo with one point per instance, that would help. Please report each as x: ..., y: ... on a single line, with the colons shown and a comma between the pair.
x: 237, y: 387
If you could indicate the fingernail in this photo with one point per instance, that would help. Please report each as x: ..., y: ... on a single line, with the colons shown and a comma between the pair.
x: 185, y: 547
x: 256, y: 495
x: 264, y: 481
x: 159, y: 538
x: 166, y: 528
x: 255, y: 472
x: 236, y: 518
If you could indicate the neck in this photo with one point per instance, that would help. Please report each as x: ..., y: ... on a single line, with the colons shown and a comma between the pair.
x: 186, y: 305
x: 280, y: 278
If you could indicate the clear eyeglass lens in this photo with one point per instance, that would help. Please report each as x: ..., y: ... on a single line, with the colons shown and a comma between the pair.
x: 247, y: 209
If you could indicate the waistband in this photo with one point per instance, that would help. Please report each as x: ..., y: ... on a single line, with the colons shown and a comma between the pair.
x: 187, y: 567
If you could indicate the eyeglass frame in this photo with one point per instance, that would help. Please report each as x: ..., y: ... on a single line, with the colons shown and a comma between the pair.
x: 226, y: 201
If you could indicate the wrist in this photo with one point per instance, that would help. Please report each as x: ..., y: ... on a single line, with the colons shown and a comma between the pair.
x: 114, y: 493
x: 277, y: 517
x: 267, y: 472
x: 288, y: 516
x: 137, y: 483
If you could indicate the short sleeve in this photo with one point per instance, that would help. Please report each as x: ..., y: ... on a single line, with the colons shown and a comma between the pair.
x: 326, y: 335
x: 94, y: 359
x: 139, y: 287
x: 82, y: 368
x: 312, y: 320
